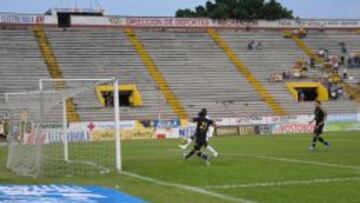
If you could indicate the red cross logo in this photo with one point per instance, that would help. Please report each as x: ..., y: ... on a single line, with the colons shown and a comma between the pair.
x: 91, y: 126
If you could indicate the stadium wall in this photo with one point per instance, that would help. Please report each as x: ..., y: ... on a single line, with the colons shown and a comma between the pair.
x: 162, y: 129
x: 172, y: 22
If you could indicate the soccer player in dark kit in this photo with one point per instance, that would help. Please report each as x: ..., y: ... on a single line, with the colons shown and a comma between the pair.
x: 319, y: 118
x: 202, y: 126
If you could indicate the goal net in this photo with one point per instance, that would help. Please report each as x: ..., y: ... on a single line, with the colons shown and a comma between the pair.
x: 51, y: 129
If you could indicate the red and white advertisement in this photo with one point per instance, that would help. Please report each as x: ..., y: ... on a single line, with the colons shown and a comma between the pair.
x: 292, y: 128
x: 14, y: 18
x: 162, y: 133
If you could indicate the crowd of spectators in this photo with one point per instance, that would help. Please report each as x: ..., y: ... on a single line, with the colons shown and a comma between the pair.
x: 334, y: 68
x: 276, y: 77
x: 300, y: 68
x: 299, y: 71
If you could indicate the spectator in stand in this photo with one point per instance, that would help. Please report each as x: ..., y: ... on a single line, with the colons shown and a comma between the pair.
x: 335, y: 67
x: 108, y: 99
x: 340, y: 92
x: 312, y: 62
x: 110, y: 96
x: 301, y: 32
x: 301, y: 96
x: 335, y: 91
x: 343, y: 47
x: 334, y: 78
x: 259, y: 46
x: 332, y: 90
x: 276, y: 77
x: 327, y: 66
x: 297, y: 70
x: 345, y: 74
x: 251, y: 45
x: 354, y: 61
x: 321, y: 53
x: 342, y: 60
x: 254, y: 45
x: 286, y: 75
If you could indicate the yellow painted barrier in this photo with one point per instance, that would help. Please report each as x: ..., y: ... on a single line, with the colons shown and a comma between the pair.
x: 241, y: 67
x: 155, y: 73
x: 323, y: 94
x: 135, y: 98
x: 54, y: 69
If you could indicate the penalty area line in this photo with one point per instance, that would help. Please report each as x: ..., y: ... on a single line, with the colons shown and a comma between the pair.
x: 316, y: 163
x: 186, y: 187
x: 283, y: 183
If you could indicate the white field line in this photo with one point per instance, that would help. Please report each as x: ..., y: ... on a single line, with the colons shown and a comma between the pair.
x: 186, y: 187
x: 283, y: 183
x: 331, y: 140
x: 316, y: 163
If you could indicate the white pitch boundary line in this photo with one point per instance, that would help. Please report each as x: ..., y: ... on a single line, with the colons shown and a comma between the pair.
x: 295, y: 161
x: 284, y: 183
x: 333, y: 139
x: 186, y: 187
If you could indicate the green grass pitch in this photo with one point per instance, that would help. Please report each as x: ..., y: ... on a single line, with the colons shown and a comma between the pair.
x: 276, y: 168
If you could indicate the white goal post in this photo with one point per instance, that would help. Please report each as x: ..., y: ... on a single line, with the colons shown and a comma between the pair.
x: 42, y: 141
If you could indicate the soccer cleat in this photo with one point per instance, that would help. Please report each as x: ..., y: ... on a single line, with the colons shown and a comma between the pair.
x: 182, y: 147
x: 207, y: 163
x: 311, y: 148
x: 327, y: 145
x: 184, y: 155
x: 216, y: 154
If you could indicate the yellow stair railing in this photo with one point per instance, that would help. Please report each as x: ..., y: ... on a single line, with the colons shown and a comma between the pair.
x: 310, y: 53
x: 54, y: 69
x: 241, y: 67
x: 304, y: 47
x: 155, y: 73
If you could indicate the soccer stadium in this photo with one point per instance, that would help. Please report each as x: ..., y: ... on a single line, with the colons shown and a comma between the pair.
x: 226, y: 101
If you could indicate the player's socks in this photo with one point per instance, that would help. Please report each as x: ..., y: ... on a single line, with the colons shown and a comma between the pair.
x: 202, y: 156
x: 323, y: 141
x: 313, y: 143
x: 188, y: 142
x: 190, y: 154
x: 212, y: 150
x: 327, y: 144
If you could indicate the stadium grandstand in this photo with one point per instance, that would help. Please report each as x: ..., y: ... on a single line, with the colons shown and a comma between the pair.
x: 84, y: 94
x: 196, y: 62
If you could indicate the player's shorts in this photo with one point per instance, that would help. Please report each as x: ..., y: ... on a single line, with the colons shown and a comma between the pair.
x: 200, y: 143
x: 319, y: 129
